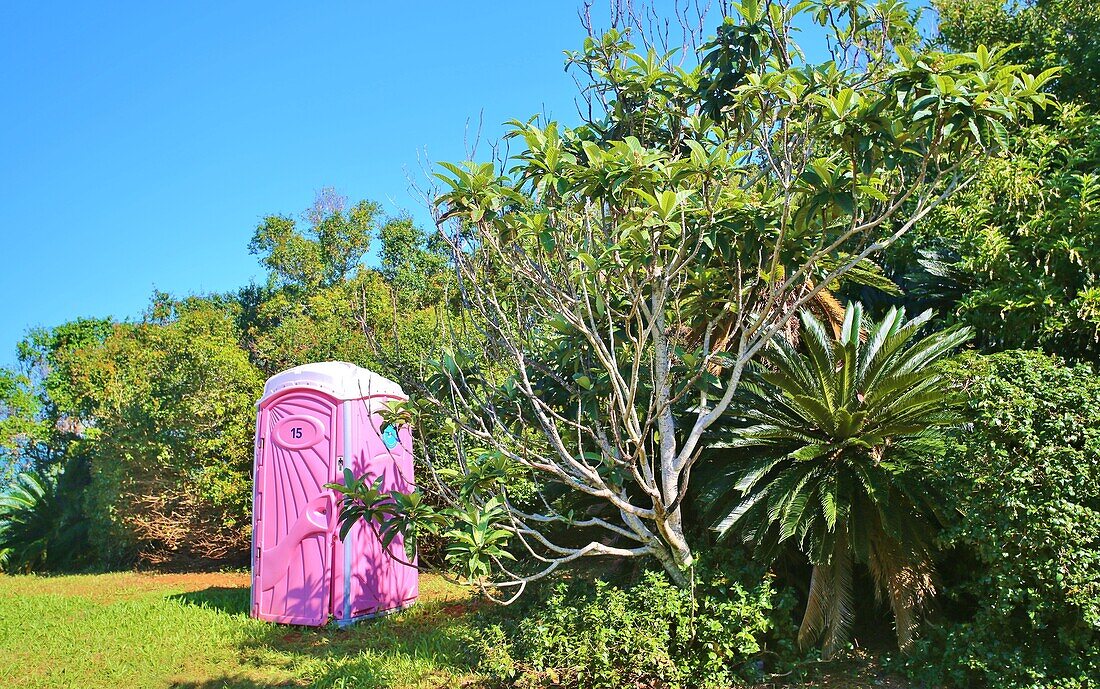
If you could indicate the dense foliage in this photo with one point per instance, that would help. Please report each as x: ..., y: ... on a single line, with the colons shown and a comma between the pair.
x: 728, y: 629
x: 170, y: 403
x: 841, y: 434
x: 1022, y: 555
x: 140, y: 433
x: 1041, y: 34
x: 1016, y: 255
x: 22, y: 426
x: 589, y: 260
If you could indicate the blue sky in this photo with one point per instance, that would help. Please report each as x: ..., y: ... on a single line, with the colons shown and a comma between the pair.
x: 141, y: 143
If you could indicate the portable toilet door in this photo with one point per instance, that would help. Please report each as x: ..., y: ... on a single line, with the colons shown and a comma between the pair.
x: 368, y: 580
x: 312, y: 421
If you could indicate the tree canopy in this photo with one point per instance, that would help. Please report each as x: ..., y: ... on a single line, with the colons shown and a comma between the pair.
x: 618, y: 276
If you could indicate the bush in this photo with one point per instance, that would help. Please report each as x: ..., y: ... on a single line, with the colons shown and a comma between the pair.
x: 41, y: 526
x: 649, y: 633
x: 1022, y: 580
x: 1015, y: 254
x: 170, y: 449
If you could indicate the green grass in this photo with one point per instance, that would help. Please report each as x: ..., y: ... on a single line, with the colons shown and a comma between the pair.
x: 192, y: 631
x: 141, y: 630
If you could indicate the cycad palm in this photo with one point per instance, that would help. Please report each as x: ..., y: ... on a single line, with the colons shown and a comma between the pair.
x: 841, y: 435
x: 28, y: 523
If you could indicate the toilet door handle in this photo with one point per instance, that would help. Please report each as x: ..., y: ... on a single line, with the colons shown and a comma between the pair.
x: 328, y: 504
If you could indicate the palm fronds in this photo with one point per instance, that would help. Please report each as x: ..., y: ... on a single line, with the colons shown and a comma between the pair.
x: 25, y: 523
x: 841, y: 428
x: 39, y: 529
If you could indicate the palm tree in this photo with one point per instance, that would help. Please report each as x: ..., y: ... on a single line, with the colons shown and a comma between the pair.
x: 841, y: 435
x: 40, y: 527
x: 25, y: 523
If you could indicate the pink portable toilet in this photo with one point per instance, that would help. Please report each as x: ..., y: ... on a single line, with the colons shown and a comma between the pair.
x: 312, y: 421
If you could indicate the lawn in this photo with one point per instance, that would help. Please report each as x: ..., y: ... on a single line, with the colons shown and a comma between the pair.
x: 193, y: 630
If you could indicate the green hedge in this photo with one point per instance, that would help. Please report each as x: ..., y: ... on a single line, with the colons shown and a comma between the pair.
x: 1021, y: 600
x: 650, y: 633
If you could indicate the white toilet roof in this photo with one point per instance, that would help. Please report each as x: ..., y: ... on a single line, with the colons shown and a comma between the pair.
x: 338, y: 378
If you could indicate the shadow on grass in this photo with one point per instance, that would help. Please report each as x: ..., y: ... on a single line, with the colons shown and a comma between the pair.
x: 230, y: 600
x: 231, y: 683
x: 422, y: 646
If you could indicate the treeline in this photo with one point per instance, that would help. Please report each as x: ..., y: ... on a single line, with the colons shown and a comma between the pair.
x: 134, y: 438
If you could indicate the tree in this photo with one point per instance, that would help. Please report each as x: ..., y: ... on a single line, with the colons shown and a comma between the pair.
x: 731, y: 191
x: 44, y: 413
x: 1014, y: 255
x: 1041, y: 34
x: 347, y: 321
x: 22, y: 426
x: 413, y: 263
x: 322, y: 303
x: 327, y: 253
x: 45, y: 353
x: 842, y: 448
x: 171, y: 399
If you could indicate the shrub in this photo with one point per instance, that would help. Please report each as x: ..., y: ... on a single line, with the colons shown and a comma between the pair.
x: 845, y: 429
x: 1022, y: 601
x: 594, y: 634
x: 1015, y: 254
x: 170, y: 448
x: 41, y: 527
